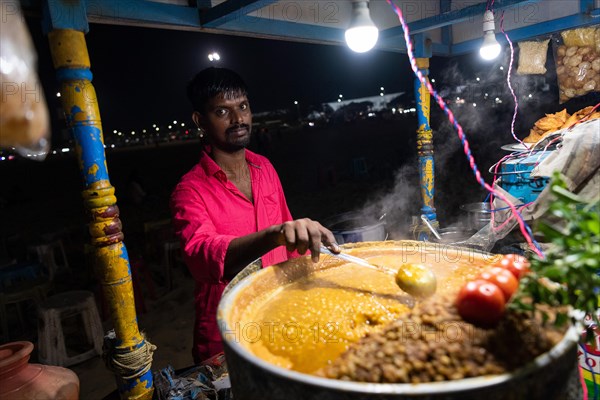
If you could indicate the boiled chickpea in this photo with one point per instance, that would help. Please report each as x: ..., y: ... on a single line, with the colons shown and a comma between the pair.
x: 589, y: 86
x: 575, y: 60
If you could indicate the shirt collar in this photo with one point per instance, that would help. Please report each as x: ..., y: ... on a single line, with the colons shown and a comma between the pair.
x: 211, y: 168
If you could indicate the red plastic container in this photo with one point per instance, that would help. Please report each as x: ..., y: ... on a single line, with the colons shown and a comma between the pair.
x: 21, y: 380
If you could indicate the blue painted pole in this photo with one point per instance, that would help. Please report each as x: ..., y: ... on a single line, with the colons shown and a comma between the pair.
x: 127, y: 353
x: 424, y: 139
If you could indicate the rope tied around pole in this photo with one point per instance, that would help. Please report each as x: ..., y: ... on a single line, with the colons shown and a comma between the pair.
x: 130, y: 364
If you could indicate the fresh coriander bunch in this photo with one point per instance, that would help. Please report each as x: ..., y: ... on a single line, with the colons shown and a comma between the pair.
x: 568, y: 276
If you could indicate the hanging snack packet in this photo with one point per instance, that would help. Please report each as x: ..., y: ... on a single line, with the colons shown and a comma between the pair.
x: 577, y: 58
x: 532, y: 57
x: 24, y: 121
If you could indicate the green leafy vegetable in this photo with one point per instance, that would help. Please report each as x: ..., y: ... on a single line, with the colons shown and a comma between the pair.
x: 568, y: 276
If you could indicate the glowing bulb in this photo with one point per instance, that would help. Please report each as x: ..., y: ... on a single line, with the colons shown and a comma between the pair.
x: 490, y: 48
x: 362, y: 34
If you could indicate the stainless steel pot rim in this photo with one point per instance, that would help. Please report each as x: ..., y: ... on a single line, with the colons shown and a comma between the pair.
x: 359, y: 229
x: 481, y: 207
x: 350, y: 216
x: 460, y: 385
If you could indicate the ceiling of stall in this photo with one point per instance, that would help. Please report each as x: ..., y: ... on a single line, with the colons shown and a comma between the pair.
x: 453, y: 27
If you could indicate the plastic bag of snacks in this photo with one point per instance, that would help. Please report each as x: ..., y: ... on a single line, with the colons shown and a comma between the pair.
x: 577, y: 55
x: 532, y: 57
x: 23, y: 114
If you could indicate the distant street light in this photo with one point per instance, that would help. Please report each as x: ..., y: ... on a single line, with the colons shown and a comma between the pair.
x: 297, y: 108
x: 214, y: 56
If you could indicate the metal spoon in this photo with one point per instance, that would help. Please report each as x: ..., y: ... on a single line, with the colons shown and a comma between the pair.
x: 431, y: 228
x: 415, y: 279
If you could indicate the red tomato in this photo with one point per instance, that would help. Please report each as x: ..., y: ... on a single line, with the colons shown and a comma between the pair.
x: 516, y: 264
x: 502, y: 278
x: 480, y: 303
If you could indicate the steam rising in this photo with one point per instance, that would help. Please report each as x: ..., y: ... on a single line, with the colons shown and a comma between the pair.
x: 484, y: 107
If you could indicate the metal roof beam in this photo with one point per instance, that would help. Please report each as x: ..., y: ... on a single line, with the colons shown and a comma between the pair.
x: 269, y: 28
x: 142, y: 11
x: 527, y: 32
x: 452, y: 17
x: 446, y: 6
x: 231, y: 10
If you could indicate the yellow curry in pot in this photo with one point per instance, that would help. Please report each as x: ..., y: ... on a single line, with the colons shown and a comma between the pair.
x: 307, y: 323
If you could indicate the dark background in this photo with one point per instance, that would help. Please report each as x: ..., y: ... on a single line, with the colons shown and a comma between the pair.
x: 140, y: 76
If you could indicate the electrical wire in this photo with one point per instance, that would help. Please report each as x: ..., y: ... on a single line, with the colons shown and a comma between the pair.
x: 537, y: 162
x: 512, y: 57
x: 586, y: 354
x: 525, y: 230
x: 586, y: 116
x: 506, y: 208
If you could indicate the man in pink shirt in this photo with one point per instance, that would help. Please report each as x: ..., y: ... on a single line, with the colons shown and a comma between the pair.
x: 230, y: 209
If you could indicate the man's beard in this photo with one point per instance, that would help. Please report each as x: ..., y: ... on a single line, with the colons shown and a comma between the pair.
x: 238, y: 143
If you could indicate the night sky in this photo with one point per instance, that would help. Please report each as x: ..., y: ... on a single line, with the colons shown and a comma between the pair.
x: 140, y: 74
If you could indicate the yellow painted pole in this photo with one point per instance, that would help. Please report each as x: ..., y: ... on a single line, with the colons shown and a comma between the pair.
x: 425, y: 152
x: 71, y: 60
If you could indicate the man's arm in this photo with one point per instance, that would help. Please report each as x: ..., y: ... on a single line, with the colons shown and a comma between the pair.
x: 301, y: 235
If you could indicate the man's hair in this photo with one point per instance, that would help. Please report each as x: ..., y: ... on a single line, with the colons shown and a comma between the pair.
x: 212, y: 82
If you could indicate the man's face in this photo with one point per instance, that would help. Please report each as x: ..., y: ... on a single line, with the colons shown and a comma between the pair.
x: 227, y: 122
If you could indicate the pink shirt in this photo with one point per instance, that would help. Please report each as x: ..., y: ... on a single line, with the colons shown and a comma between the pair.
x: 208, y: 213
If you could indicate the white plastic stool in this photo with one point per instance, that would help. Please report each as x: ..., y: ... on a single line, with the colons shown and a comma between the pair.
x: 52, y: 344
x: 47, y: 254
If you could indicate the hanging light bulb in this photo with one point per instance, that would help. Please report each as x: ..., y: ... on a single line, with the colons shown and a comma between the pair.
x: 490, y: 48
x: 362, y: 34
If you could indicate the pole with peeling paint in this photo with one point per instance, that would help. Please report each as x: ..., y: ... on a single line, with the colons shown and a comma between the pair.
x: 425, y: 151
x: 72, y: 63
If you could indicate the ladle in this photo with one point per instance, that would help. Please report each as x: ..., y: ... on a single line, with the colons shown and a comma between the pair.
x: 415, y: 279
x: 431, y: 228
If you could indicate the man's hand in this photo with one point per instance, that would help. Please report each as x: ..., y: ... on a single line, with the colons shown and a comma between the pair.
x: 305, y: 234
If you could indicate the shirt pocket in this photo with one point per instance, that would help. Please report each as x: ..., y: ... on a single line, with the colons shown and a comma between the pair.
x: 272, y: 208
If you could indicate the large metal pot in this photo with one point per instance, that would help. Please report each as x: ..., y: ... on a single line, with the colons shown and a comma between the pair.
x: 552, y: 376
x: 478, y: 214
x: 352, y: 227
x: 453, y: 235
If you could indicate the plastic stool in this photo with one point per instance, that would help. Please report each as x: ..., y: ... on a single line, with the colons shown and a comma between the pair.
x: 51, y: 340
x: 47, y: 254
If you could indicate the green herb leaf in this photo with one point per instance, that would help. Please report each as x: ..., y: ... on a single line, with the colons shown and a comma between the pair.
x: 573, y: 260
